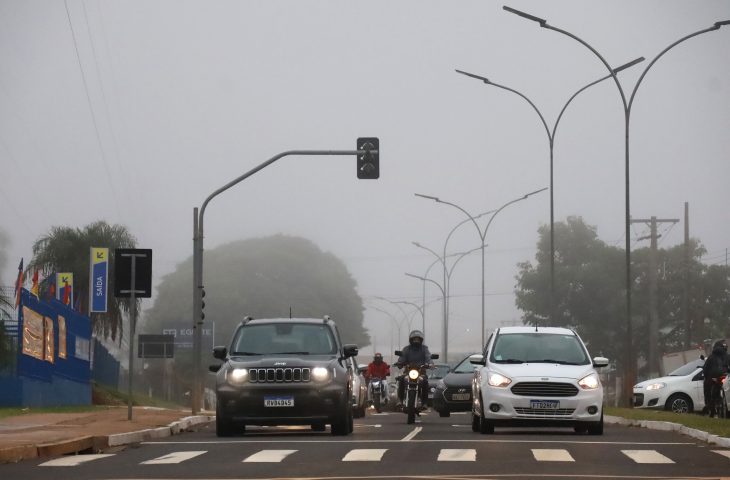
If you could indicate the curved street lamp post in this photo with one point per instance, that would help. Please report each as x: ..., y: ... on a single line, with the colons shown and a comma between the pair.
x: 629, y: 373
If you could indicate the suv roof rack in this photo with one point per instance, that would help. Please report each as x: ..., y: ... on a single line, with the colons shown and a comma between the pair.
x: 327, y: 318
x: 246, y: 319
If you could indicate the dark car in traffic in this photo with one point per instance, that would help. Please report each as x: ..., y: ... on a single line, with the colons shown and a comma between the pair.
x: 453, y: 392
x: 284, y: 371
x: 435, y: 374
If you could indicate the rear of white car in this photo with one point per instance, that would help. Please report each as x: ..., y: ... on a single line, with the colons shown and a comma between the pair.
x: 537, y: 377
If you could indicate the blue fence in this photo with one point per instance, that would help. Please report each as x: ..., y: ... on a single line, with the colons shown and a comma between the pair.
x: 53, y: 357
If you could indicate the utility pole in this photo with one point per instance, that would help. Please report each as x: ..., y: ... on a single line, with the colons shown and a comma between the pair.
x: 685, y: 281
x: 653, y: 307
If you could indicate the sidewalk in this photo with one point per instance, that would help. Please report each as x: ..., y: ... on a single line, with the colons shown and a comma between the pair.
x: 51, y: 434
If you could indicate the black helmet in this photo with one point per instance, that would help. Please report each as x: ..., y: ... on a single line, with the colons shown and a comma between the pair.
x: 720, y: 345
x: 414, y: 335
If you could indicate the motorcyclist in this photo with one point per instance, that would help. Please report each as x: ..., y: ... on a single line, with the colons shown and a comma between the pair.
x: 715, y: 366
x: 415, y: 353
x: 378, y: 369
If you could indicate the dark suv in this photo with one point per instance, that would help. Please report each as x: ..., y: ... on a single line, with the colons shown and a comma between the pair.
x: 284, y: 371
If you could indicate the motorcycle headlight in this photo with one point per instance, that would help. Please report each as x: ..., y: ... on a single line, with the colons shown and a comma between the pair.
x: 320, y: 374
x: 237, y: 376
x: 656, y: 386
x: 497, y: 380
x: 589, y: 382
x: 413, y: 374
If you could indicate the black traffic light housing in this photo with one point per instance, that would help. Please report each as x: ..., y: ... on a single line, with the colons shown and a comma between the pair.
x: 368, y: 164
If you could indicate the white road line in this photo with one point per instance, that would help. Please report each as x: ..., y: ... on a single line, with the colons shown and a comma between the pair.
x: 457, y: 455
x: 269, y: 456
x: 74, y: 460
x: 270, y: 440
x: 646, y: 456
x: 410, y: 436
x: 724, y: 453
x: 174, y: 457
x: 552, y: 455
x: 365, y: 455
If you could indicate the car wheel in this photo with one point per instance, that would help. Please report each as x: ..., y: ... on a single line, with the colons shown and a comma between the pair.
x: 444, y: 413
x: 679, y: 403
x: 485, y: 426
x: 341, y: 423
x: 596, y: 428
x: 319, y: 427
x: 474, y: 422
x: 358, y: 412
x: 223, y: 426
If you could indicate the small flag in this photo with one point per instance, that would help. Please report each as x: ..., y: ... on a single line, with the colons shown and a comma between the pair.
x: 19, y: 284
x: 51, y: 286
x: 66, y: 294
x: 34, y: 287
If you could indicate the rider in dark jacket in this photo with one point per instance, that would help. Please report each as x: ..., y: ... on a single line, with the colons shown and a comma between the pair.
x: 715, y: 366
x: 415, y: 353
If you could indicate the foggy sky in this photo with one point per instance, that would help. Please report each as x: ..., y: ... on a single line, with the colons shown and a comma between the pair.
x: 188, y: 95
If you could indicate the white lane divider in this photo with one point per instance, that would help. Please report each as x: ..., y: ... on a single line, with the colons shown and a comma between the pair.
x: 174, y: 457
x: 410, y: 436
x: 457, y: 455
x: 269, y: 456
x: 365, y: 455
x: 646, y: 456
x: 74, y: 460
x: 552, y: 455
x: 724, y: 453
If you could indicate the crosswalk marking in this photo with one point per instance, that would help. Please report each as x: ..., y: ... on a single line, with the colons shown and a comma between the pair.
x: 365, y: 455
x: 74, y: 460
x: 646, y: 456
x: 724, y: 453
x: 457, y: 455
x: 552, y: 455
x: 269, y: 456
x: 174, y: 457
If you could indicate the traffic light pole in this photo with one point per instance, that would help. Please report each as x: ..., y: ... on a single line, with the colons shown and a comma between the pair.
x: 366, y: 170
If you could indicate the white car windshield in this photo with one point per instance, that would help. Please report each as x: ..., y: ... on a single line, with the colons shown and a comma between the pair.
x: 536, y: 347
x: 687, y: 368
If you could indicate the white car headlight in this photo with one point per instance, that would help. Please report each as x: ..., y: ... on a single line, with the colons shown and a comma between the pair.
x: 589, y: 382
x: 413, y: 374
x: 656, y: 386
x: 320, y: 374
x: 237, y: 376
x: 497, y: 380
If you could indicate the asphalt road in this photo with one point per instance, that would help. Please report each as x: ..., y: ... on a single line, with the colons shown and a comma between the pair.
x: 384, y: 446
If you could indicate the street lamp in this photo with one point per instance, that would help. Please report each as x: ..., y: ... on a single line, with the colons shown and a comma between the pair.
x: 551, y: 144
x: 482, y: 234
x: 444, y: 333
x: 629, y: 374
x: 394, y: 322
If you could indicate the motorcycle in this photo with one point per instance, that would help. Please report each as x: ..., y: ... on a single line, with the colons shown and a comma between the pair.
x: 415, y: 377
x: 377, y: 393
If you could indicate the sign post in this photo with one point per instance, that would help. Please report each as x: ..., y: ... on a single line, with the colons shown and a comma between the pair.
x: 129, y: 287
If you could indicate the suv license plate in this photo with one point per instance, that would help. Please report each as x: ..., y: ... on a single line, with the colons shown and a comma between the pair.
x: 460, y: 396
x: 278, y: 401
x: 544, y: 404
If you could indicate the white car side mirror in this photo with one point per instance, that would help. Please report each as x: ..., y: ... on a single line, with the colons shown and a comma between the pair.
x: 599, y: 362
x: 477, y: 360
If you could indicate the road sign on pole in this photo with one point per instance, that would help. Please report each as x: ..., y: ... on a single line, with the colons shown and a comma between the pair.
x: 98, y: 279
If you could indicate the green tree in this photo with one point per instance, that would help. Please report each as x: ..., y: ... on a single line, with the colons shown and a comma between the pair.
x: 66, y: 249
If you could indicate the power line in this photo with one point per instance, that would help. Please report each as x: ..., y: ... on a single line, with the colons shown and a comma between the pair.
x: 93, y: 115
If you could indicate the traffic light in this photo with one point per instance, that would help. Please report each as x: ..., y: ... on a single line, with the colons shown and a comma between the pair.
x: 368, y: 164
x: 202, y: 303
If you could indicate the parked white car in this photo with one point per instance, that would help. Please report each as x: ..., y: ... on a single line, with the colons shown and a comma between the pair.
x: 681, y: 391
x: 532, y: 376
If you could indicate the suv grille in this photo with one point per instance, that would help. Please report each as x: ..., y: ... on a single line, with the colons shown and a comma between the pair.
x: 278, y: 375
x: 545, y: 389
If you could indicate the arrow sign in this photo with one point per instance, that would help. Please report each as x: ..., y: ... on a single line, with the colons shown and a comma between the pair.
x: 98, y: 279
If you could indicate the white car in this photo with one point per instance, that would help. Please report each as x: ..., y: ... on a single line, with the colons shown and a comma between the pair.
x: 681, y: 391
x: 531, y: 376
x: 359, y: 388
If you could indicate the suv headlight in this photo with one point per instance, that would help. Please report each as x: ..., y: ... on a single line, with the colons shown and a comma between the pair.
x: 320, y: 374
x: 589, y: 382
x: 656, y: 386
x: 497, y: 380
x: 237, y: 376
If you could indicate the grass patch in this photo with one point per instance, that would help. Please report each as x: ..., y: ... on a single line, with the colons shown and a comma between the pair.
x: 716, y: 426
x: 103, y: 395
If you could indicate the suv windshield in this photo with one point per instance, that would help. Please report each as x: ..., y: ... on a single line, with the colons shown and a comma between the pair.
x: 536, y: 347
x: 284, y: 338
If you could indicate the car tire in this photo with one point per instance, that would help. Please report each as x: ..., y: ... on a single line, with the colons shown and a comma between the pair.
x: 341, y: 423
x: 444, y: 413
x: 679, y: 403
x: 474, y: 422
x: 596, y: 428
x: 223, y: 426
x: 319, y: 427
x: 486, y: 427
x: 358, y: 412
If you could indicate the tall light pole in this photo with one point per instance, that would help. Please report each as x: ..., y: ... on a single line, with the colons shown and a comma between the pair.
x: 551, y: 143
x: 482, y: 233
x: 444, y: 333
x: 629, y: 373
x: 395, y: 322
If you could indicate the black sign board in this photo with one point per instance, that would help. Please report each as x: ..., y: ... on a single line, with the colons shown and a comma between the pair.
x: 156, y: 346
x: 123, y: 272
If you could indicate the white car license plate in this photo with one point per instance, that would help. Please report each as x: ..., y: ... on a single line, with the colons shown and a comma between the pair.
x: 460, y: 396
x: 544, y: 404
x: 278, y: 401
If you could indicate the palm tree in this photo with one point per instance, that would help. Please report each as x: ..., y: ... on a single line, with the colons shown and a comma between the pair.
x: 66, y: 249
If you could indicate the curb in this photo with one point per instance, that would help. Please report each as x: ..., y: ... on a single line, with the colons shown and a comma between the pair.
x: 99, y: 443
x: 670, y: 427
